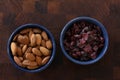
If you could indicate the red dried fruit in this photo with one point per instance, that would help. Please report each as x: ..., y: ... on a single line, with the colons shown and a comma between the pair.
x: 95, y: 48
x: 87, y: 48
x: 83, y: 41
x: 93, y: 55
x: 85, y: 36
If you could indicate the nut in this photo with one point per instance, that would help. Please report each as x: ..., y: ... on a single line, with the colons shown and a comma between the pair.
x: 29, y: 63
x: 21, y: 58
x: 37, y: 30
x: 36, y: 52
x: 49, y: 44
x: 44, y: 51
x: 15, y: 38
x: 32, y: 67
x: 24, y: 48
x: 30, y: 56
x: 30, y: 33
x: 38, y: 39
x: 38, y: 60
x: 19, y: 51
x: 33, y: 40
x: 17, y: 60
x: 31, y: 48
x: 45, y: 60
x: 43, y: 43
x: 44, y: 35
x: 25, y: 31
x: 13, y: 48
x: 23, y: 39
x: 26, y: 62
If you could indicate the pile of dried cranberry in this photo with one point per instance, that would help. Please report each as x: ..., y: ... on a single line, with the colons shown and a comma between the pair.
x: 83, y: 41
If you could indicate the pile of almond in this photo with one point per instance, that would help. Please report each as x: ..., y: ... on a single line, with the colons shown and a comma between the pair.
x: 31, y: 48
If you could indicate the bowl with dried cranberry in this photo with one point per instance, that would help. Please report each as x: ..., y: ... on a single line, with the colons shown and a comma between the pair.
x: 84, y: 40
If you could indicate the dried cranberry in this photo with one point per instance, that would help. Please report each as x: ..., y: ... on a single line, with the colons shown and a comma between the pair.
x: 83, y: 41
x: 87, y: 48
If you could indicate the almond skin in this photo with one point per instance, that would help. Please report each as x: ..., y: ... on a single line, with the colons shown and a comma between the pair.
x: 17, y: 61
x: 44, y: 51
x: 21, y: 58
x: 43, y: 43
x: 14, y: 48
x: 19, y: 52
x: 15, y: 37
x: 38, y: 39
x: 38, y: 60
x: 49, y: 44
x: 23, y: 39
x: 45, y: 60
x: 37, y: 30
x: 30, y: 33
x: 33, y: 40
x: 33, y: 63
x: 25, y: 31
x: 36, y: 52
x: 44, y: 35
x: 30, y: 56
x: 32, y: 67
x: 24, y: 48
x: 29, y: 50
x: 26, y: 62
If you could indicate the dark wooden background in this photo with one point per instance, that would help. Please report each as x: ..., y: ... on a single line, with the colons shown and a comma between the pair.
x: 54, y: 14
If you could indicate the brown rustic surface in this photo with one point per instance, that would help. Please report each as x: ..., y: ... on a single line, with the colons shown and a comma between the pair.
x: 54, y: 14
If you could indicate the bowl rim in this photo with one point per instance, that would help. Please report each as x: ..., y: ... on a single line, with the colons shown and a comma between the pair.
x: 91, y: 20
x: 30, y: 25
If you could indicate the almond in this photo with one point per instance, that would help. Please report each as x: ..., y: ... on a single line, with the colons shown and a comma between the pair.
x: 21, y: 45
x: 19, y: 52
x: 36, y: 52
x: 17, y: 61
x: 21, y: 58
x: 38, y: 39
x: 30, y: 33
x: 49, y: 44
x: 29, y: 50
x: 29, y: 63
x: 32, y: 67
x: 13, y: 48
x: 30, y: 56
x: 33, y: 63
x: 23, y: 39
x: 43, y: 43
x: 45, y: 60
x: 38, y: 60
x: 44, y: 35
x: 24, y: 48
x: 25, y: 31
x: 37, y: 30
x: 15, y: 37
x: 44, y: 51
x: 33, y: 40
x: 26, y: 62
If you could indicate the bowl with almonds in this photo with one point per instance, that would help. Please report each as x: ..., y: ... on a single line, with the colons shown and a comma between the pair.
x: 84, y: 40
x: 31, y: 48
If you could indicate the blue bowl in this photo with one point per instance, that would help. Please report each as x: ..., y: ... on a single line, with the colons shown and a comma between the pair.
x: 31, y: 26
x: 91, y: 20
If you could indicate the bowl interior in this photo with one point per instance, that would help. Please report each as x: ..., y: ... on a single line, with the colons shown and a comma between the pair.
x: 90, y: 20
x: 32, y: 26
